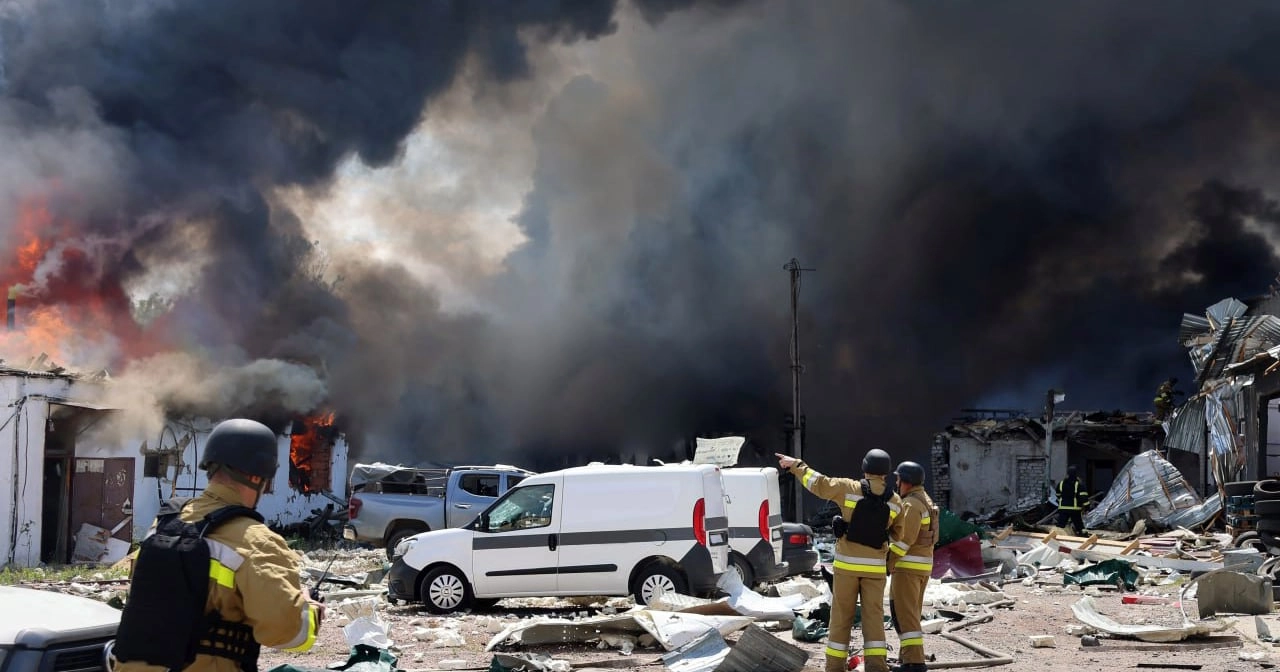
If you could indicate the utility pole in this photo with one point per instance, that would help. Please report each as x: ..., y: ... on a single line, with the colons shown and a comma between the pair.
x: 797, y: 443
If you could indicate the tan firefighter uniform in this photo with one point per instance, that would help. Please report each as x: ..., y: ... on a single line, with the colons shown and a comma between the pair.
x: 254, y: 580
x: 859, y: 572
x: 911, y: 563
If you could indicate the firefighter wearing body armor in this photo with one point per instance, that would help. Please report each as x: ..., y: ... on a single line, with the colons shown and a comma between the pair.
x: 869, y: 515
x: 249, y: 593
x: 911, y: 563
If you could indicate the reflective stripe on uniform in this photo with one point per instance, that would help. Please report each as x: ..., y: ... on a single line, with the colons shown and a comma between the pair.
x: 837, y: 650
x: 223, y: 563
x: 925, y: 520
x: 809, y: 477
x: 851, y: 500
x: 915, y: 638
x: 306, y: 636
x: 898, y: 547
x: 923, y: 563
x: 875, y: 649
x: 222, y: 575
x: 853, y: 563
x: 894, y: 510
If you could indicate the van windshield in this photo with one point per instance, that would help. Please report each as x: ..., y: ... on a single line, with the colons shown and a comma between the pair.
x: 520, y: 509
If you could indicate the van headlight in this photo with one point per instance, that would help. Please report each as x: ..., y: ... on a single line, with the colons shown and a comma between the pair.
x: 403, y: 547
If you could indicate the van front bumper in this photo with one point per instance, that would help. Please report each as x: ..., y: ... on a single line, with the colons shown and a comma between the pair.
x: 402, y: 581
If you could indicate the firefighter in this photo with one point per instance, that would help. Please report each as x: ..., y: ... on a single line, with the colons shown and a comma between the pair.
x: 869, y: 514
x: 254, y: 595
x: 911, y: 563
x: 1164, y: 401
x: 1072, y: 497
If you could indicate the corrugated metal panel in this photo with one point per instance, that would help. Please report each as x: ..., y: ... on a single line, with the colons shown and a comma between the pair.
x: 1187, y: 429
x: 1192, y: 326
x: 1240, y: 340
x: 1225, y: 310
x: 1151, y: 487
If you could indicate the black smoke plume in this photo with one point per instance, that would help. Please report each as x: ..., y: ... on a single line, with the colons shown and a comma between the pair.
x: 997, y: 198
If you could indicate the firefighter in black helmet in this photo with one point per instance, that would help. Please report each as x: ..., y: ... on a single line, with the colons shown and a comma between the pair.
x: 911, y: 564
x: 869, y: 510
x: 255, y: 596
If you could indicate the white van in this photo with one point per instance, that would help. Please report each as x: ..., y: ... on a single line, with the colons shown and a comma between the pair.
x: 595, y: 530
x: 754, y: 507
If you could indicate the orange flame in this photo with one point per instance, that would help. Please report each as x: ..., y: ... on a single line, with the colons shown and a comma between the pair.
x: 309, y: 453
x: 74, y: 316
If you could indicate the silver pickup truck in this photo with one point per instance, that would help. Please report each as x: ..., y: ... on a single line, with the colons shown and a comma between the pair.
x: 389, y: 503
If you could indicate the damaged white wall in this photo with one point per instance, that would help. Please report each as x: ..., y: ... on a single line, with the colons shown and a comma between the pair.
x: 1003, y: 473
x: 183, y: 478
x: 104, y: 477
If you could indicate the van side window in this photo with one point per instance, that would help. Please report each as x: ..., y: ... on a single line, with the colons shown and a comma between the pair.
x: 522, y: 508
x: 513, y: 480
x: 483, y: 485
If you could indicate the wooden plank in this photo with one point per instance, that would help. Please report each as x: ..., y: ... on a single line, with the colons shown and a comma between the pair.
x: 1003, y: 534
x: 1133, y: 546
x: 1066, y: 539
x: 1149, y: 561
x: 1088, y: 543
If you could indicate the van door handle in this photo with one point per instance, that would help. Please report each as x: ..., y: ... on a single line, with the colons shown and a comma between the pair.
x: 461, y: 506
x: 552, y: 541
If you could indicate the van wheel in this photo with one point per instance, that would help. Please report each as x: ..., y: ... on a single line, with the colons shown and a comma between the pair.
x: 655, y: 579
x: 400, y: 534
x: 739, y: 564
x: 444, y: 590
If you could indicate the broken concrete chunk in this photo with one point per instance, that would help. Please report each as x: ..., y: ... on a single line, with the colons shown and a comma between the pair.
x: 1043, y: 642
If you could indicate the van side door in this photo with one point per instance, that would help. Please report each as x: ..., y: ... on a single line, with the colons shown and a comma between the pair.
x: 516, y: 547
x: 470, y: 492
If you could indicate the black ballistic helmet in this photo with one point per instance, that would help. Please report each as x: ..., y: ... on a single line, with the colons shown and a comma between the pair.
x: 877, y: 462
x: 246, y: 446
x: 910, y: 472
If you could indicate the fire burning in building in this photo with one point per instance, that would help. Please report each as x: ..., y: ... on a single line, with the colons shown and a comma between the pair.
x: 311, y: 453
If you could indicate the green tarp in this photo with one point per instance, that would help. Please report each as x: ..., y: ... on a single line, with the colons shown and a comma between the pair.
x: 953, y: 528
x: 1119, y: 573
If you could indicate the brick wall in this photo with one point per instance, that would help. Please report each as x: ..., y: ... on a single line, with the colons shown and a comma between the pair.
x: 1030, y: 477
x: 940, y: 461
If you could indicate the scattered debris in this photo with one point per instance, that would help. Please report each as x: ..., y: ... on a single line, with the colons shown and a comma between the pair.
x: 1043, y: 642
x: 1229, y: 592
x: 1150, y: 487
x: 1086, y: 611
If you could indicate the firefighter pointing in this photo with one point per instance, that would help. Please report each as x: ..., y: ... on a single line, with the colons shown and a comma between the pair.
x: 869, y: 509
x: 911, y: 563
x: 212, y: 584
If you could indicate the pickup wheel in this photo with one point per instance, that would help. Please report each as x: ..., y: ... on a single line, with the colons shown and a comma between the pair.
x: 444, y: 590
x: 654, y: 579
x: 401, y: 533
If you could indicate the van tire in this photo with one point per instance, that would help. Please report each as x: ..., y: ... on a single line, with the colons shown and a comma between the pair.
x: 400, y: 533
x: 444, y: 590
x: 743, y: 567
x: 656, y: 577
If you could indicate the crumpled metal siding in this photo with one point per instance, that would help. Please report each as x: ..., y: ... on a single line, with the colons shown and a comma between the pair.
x: 1151, y: 487
x: 1226, y: 455
x: 1187, y: 429
x: 1240, y: 340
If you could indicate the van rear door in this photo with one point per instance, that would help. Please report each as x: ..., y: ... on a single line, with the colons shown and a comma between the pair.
x: 716, y: 520
x: 774, y: 520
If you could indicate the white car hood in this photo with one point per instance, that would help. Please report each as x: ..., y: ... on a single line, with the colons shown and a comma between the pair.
x: 452, y: 545
x: 37, y: 617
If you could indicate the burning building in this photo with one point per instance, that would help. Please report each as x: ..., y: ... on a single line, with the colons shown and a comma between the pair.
x: 76, y: 491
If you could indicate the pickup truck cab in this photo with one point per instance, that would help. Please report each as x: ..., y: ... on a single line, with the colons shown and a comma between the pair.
x: 44, y: 631
x: 594, y: 530
x: 389, y: 503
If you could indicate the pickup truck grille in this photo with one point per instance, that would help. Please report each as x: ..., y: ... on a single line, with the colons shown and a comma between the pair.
x: 75, y: 658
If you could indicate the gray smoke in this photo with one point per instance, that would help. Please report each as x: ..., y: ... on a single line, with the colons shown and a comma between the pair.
x: 996, y: 197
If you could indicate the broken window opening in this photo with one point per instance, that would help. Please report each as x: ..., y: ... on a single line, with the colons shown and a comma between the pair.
x: 311, y: 453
